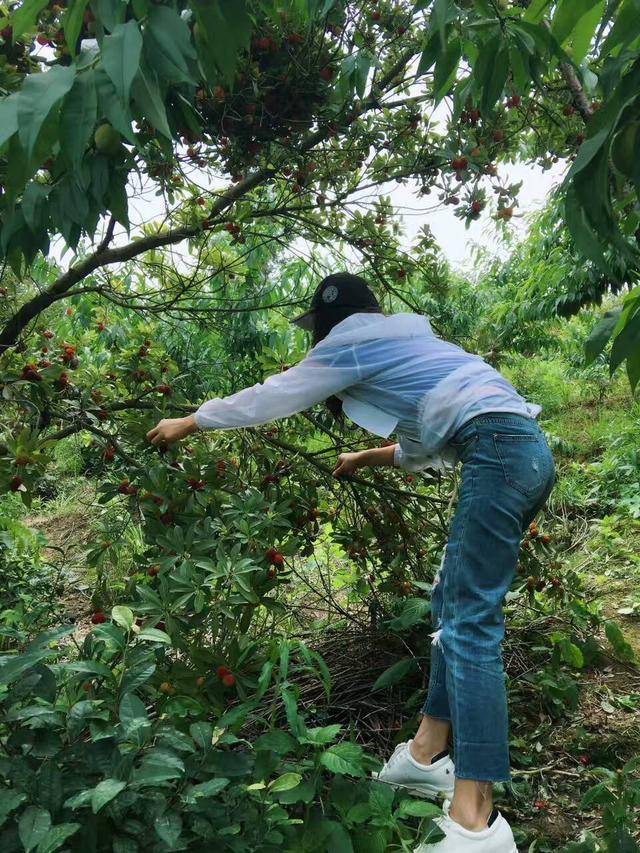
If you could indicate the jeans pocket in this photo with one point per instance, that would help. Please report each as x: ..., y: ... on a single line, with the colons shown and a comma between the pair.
x: 464, y: 439
x: 523, y: 461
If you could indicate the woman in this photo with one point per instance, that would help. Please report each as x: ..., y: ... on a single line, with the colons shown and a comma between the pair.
x: 391, y: 374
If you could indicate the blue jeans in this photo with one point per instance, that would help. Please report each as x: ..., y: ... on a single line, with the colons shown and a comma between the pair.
x: 507, y: 476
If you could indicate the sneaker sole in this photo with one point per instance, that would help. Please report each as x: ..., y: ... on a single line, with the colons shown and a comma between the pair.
x: 427, y: 792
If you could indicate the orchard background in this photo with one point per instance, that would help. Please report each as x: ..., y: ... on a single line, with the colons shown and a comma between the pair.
x: 212, y: 647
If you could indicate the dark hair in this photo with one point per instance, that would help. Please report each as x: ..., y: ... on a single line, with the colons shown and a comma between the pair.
x: 323, y: 322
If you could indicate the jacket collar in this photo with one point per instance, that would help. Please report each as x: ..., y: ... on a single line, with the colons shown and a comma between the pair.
x: 366, y: 327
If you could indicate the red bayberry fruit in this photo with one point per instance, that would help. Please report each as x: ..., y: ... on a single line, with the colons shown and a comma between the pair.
x: 152, y: 571
x: 200, y: 201
x: 498, y: 135
x: 505, y: 213
x: 568, y: 110
x: 30, y: 373
x: 221, y: 671
x: 375, y: 16
x: 476, y: 207
x: 98, y: 618
x: 459, y: 164
x: 585, y: 760
x: 16, y: 484
x: 109, y: 453
x: 123, y: 488
x: 42, y: 39
x: 229, y: 679
x: 326, y: 74
x: 102, y: 326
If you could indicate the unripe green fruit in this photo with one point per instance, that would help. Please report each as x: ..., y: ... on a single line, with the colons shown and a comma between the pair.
x: 107, y: 140
x: 624, y: 149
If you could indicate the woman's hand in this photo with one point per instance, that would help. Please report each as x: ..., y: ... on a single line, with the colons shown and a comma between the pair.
x: 170, y: 430
x: 346, y: 465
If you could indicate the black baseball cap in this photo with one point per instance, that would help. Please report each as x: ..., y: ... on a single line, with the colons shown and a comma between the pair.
x: 339, y: 290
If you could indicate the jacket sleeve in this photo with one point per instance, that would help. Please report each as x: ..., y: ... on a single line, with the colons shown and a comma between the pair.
x: 317, y: 377
x: 410, y: 456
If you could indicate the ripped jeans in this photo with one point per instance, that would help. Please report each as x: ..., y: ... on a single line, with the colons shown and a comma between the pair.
x: 507, y: 476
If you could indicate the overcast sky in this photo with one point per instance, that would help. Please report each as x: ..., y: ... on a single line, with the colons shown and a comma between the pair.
x: 456, y: 241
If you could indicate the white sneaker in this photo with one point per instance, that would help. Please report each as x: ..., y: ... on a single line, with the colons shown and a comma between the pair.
x: 496, y: 838
x: 422, y: 780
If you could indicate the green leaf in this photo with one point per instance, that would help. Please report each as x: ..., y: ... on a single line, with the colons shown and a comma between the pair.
x: 438, y: 20
x: 9, y: 802
x: 40, y: 94
x: 121, y: 57
x: 168, y: 827
x: 224, y: 30
x: 104, y: 792
x: 625, y: 29
x: 343, y: 758
x: 599, y: 794
x: 8, y: 118
x: 626, y: 342
x: 211, y: 788
x: 111, y: 107
x: 446, y: 67
x: 536, y: 10
x: 154, y: 635
x: 78, y: 118
x: 633, y: 369
x: 285, y: 782
x: 567, y: 15
x: 73, y: 23
x: 571, y: 654
x: 395, y: 673
x: 276, y: 741
x: 584, y: 31
x: 414, y: 610
x: 123, y: 616
x: 158, y: 766
x: 600, y: 335
x: 168, y: 48
x: 56, y: 837
x: 322, y: 736
x: 132, y: 710
x: 150, y: 101
x: 33, y: 203
x: 418, y: 808
x: 494, y: 82
x: 584, y: 236
x: 33, y: 826
x: 12, y: 666
x: 24, y: 18
x: 621, y: 647
x: 338, y: 839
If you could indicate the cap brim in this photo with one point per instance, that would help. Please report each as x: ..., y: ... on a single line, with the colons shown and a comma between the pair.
x: 305, y: 321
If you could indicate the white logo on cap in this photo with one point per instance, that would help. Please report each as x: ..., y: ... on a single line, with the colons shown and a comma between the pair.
x: 330, y: 294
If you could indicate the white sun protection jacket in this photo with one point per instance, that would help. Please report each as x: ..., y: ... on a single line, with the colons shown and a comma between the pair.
x: 393, y: 375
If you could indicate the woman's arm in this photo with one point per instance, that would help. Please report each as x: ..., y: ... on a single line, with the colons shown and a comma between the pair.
x: 317, y: 377
x: 374, y: 458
